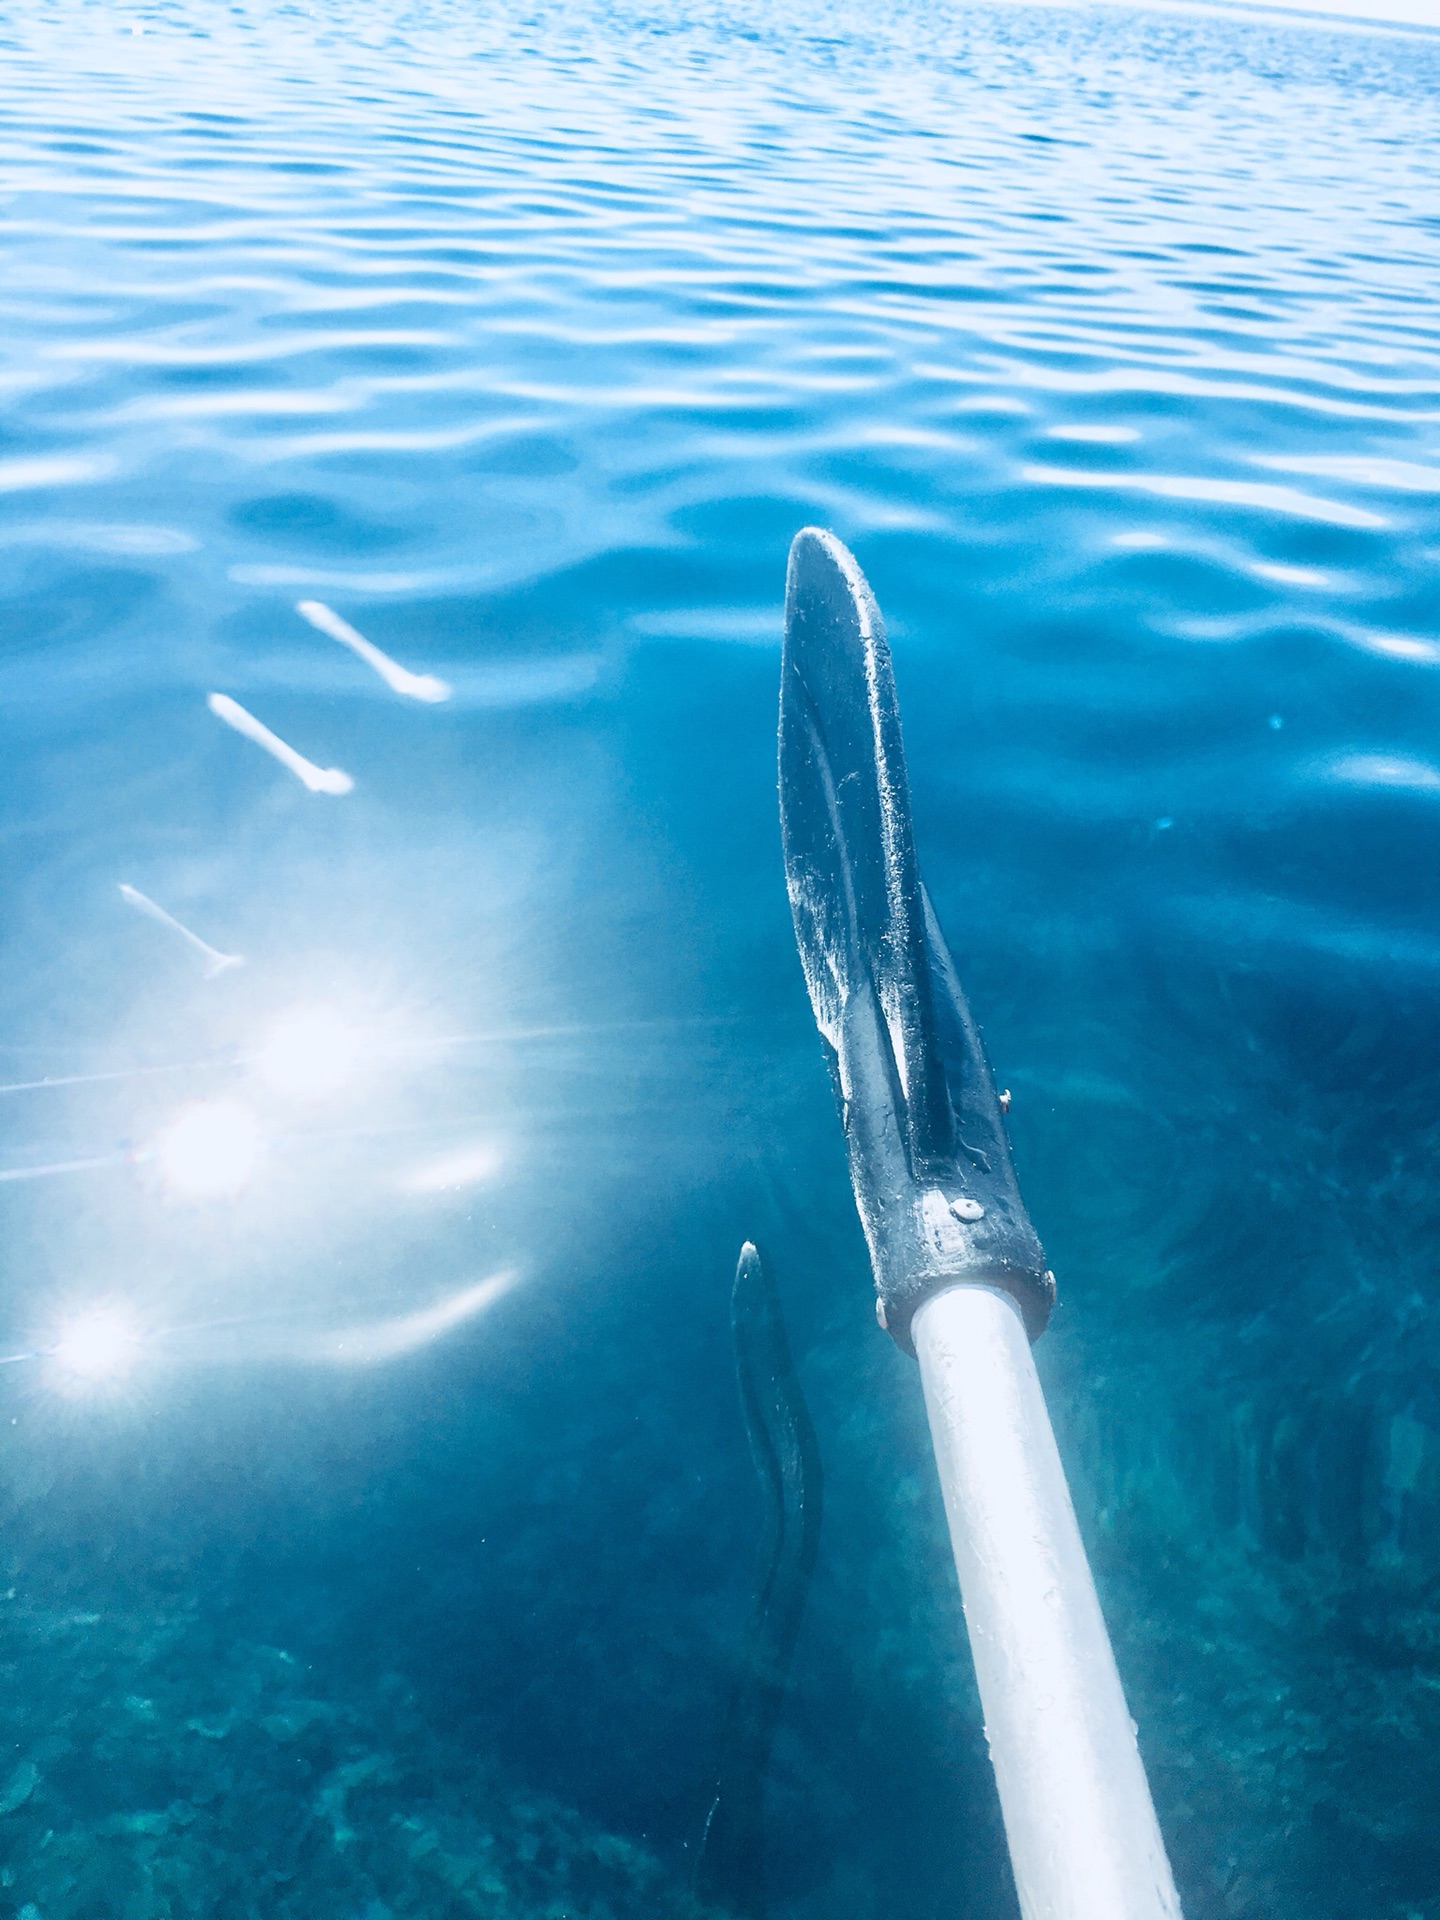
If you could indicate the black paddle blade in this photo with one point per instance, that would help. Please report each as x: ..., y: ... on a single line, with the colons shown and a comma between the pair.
x: 929, y: 1160
x: 731, y: 1865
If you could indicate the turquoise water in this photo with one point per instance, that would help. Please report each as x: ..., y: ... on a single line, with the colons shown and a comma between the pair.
x: 378, y: 1540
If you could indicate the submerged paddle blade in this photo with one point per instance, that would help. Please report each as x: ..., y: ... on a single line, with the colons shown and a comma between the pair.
x: 731, y: 1865
x: 929, y: 1160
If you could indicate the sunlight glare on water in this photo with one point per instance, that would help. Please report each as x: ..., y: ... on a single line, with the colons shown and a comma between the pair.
x: 210, y: 1150
x: 406, y: 412
x: 99, y: 1345
x: 310, y: 1054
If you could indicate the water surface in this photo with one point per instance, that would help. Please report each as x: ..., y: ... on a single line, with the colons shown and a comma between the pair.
x: 401, y: 1567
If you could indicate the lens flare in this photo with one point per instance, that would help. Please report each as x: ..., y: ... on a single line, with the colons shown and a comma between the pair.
x: 210, y: 1152
x: 310, y: 1055
x: 466, y: 1168
x: 382, y: 1340
x: 99, y: 1345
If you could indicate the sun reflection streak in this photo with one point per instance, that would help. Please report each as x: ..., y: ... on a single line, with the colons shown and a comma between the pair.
x: 311, y: 1053
x: 98, y: 1344
x: 101, y: 1344
x: 88, y: 1165
x: 210, y: 1151
x: 215, y: 961
x: 415, y: 1050
x: 465, y: 1168
x: 380, y: 1340
x: 413, y: 686
x: 318, y: 779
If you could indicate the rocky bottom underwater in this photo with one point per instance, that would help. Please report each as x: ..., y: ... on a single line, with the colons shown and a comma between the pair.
x: 163, y: 1771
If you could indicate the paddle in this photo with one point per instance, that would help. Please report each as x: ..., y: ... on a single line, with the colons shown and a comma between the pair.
x: 960, y: 1278
x: 730, y: 1870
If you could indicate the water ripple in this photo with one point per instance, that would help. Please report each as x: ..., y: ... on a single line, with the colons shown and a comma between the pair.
x: 1233, y: 493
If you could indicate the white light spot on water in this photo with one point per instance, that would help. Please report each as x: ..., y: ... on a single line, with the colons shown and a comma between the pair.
x: 1097, y: 435
x: 1361, y: 470
x: 1386, y: 770
x: 210, y: 1151
x: 381, y: 1340
x: 1289, y: 576
x: 1260, y: 496
x: 1000, y: 404
x: 28, y: 471
x: 317, y: 779
x: 466, y: 1168
x: 310, y: 1054
x: 1395, y: 646
x: 414, y: 686
x: 99, y: 1345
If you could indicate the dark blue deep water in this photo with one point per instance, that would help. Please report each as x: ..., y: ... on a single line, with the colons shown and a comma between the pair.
x: 376, y: 1517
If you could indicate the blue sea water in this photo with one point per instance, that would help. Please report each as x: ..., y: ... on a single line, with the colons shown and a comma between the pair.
x: 379, y: 1539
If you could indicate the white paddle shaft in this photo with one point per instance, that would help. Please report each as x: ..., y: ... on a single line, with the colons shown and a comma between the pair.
x: 1084, y: 1840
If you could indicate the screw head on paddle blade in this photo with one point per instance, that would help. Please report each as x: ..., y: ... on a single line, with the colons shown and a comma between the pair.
x: 929, y: 1160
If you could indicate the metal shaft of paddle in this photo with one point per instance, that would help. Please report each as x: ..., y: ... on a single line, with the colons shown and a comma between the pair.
x: 1084, y: 1840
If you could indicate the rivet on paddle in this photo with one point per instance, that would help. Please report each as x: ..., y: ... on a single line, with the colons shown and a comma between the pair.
x: 967, y: 1209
